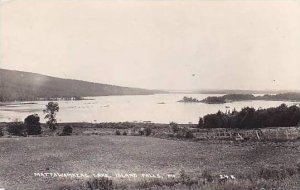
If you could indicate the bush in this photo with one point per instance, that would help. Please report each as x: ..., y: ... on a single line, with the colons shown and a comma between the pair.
x: 189, y: 134
x: 148, y: 131
x: 276, y: 173
x: 92, y: 184
x: 184, y: 133
x: 207, y: 175
x: 118, y: 132
x: 142, y: 131
x: 67, y: 130
x: 32, y: 124
x: 124, y: 133
x: 174, y: 128
x: 102, y: 183
x: 1, y: 133
x: 16, y: 128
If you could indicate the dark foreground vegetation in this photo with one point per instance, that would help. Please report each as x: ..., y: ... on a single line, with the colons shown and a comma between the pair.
x: 265, y: 178
x: 244, y: 97
x: 31, y: 126
x: 247, y: 118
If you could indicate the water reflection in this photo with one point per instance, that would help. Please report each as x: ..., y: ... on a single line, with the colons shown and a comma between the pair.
x: 160, y: 108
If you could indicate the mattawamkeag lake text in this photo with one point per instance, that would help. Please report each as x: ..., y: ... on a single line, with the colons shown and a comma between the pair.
x: 101, y: 175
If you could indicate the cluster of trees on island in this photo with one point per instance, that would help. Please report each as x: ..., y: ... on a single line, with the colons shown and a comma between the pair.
x: 243, y: 97
x: 247, y: 118
x: 228, y: 98
x: 189, y: 99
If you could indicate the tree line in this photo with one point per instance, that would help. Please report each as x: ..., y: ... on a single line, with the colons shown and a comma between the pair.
x: 247, y: 118
x: 244, y: 97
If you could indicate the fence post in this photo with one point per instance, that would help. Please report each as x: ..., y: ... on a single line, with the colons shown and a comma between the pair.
x: 257, y: 135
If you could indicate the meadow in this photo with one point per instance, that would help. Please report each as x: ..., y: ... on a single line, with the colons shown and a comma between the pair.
x: 254, y: 164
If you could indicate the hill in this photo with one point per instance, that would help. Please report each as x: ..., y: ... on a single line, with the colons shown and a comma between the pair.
x: 17, y: 85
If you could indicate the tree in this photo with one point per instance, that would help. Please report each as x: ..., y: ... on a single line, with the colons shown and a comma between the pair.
x: 148, y: 131
x: 51, y: 109
x: 248, y: 118
x: 200, y: 123
x: 67, y: 130
x: 33, y: 126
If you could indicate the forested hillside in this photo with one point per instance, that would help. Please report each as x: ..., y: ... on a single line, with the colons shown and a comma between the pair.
x: 17, y: 85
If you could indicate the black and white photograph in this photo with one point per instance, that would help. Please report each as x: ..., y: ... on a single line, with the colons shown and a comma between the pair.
x: 149, y: 94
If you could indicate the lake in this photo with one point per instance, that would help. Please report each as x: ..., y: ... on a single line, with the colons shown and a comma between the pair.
x: 159, y: 108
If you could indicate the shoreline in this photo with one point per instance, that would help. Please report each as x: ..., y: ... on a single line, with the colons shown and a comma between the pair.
x: 185, y: 132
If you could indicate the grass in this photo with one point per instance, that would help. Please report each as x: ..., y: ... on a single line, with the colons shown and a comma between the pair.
x: 116, y: 148
x: 181, y: 184
x: 170, y: 131
x: 21, y: 157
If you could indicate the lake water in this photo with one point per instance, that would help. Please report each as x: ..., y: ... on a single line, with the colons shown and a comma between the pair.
x: 159, y: 108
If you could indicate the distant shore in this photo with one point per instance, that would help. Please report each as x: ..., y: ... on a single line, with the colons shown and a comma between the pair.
x: 290, y: 97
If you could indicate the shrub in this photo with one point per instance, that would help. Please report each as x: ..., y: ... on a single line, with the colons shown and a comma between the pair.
x: 33, y: 126
x: 118, y: 132
x: 67, y: 130
x: 276, y: 173
x: 148, y: 131
x: 142, y: 131
x: 189, y: 134
x: 102, y: 183
x: 174, y: 128
x: 1, y: 133
x: 183, y: 177
x: 184, y: 133
x: 207, y: 176
x: 16, y: 128
x: 93, y: 184
x: 124, y: 133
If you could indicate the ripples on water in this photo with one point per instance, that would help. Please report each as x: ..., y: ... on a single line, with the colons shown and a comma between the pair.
x: 160, y: 108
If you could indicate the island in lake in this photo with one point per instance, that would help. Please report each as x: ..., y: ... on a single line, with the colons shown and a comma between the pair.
x: 293, y: 96
x: 189, y: 99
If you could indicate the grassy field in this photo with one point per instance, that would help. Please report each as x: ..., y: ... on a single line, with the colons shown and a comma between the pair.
x: 21, y: 157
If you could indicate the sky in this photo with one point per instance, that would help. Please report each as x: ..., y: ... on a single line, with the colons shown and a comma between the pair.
x: 158, y: 44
